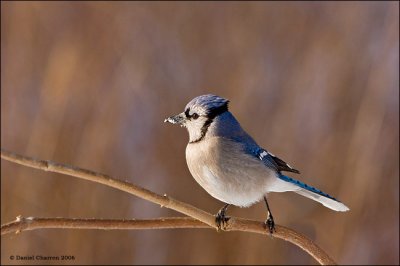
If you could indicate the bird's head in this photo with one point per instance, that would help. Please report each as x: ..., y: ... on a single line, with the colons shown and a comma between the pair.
x: 198, y: 115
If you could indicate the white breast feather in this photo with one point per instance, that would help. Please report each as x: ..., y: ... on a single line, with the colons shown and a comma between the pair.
x: 242, y: 196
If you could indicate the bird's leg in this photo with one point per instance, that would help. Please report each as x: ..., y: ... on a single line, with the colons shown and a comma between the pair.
x: 220, y: 218
x: 270, y: 220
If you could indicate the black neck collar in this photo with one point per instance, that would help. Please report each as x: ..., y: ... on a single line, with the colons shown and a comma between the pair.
x: 210, y: 118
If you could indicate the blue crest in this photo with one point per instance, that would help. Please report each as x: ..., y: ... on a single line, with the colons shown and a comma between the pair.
x: 208, y: 103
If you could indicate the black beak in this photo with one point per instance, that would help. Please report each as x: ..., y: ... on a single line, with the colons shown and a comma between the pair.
x: 176, y: 119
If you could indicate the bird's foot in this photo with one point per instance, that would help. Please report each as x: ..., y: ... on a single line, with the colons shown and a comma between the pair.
x: 221, y: 219
x: 270, y: 224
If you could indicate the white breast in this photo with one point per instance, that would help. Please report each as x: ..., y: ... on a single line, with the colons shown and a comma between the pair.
x: 242, y: 195
x: 228, y: 174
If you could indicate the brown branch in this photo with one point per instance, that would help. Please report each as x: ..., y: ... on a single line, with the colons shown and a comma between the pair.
x: 143, y: 193
x: 204, y: 218
x: 237, y: 224
x: 32, y: 223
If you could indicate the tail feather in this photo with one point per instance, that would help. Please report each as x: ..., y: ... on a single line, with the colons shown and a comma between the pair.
x: 315, y: 194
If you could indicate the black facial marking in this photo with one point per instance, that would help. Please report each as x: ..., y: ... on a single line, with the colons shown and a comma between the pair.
x: 210, y: 118
x: 193, y: 116
x: 187, y: 113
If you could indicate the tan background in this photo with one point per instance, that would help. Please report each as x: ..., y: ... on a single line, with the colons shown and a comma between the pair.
x: 89, y: 84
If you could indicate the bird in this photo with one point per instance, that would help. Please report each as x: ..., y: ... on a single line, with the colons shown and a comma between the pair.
x: 228, y: 163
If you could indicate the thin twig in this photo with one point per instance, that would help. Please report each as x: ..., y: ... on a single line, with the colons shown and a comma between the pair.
x: 234, y: 224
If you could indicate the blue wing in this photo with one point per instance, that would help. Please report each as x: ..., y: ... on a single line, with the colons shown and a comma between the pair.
x: 268, y: 158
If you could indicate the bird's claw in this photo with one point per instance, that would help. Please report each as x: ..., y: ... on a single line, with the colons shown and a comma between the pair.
x: 221, y: 220
x: 270, y: 224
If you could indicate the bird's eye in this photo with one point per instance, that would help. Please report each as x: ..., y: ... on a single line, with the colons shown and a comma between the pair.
x: 195, y: 116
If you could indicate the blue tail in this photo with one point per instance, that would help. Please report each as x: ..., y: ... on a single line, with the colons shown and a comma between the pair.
x: 305, y: 186
x: 316, y: 194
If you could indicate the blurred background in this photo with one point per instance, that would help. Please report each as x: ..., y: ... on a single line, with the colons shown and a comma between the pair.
x: 90, y: 83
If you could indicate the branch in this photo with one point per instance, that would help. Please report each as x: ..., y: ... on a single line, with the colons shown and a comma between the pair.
x: 234, y: 224
x: 32, y: 223
x: 163, y: 201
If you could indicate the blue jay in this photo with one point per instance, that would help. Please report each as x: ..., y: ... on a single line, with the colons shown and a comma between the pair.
x: 231, y: 166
